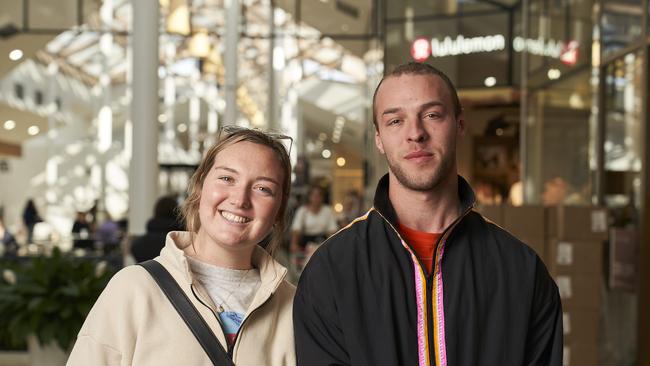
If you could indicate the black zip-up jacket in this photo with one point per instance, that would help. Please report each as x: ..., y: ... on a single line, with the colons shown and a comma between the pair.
x: 365, y: 299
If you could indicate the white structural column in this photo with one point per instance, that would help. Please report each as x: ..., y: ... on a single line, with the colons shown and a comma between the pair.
x: 230, y: 61
x: 143, y: 175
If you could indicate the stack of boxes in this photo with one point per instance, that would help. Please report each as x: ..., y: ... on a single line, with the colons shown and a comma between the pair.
x: 576, y: 244
x: 570, y: 241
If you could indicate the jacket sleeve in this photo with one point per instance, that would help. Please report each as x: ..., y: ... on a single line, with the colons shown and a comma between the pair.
x: 545, y: 336
x: 109, y: 328
x: 318, y: 334
x: 88, y: 351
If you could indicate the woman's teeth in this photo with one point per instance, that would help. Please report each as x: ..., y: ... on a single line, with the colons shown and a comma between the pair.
x: 234, y: 218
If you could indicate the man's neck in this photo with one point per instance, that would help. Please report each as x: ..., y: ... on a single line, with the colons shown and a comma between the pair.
x: 431, y: 211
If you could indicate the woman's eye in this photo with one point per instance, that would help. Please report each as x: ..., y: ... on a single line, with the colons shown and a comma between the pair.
x: 265, y: 190
x: 226, y: 179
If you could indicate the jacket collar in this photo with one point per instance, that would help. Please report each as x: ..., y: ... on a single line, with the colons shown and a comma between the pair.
x: 385, y: 207
x: 272, y: 273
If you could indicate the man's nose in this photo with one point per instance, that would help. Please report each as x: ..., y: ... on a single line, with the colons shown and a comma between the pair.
x: 416, y: 131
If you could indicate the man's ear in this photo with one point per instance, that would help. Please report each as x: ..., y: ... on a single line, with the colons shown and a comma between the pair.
x: 461, y: 124
x: 378, y: 143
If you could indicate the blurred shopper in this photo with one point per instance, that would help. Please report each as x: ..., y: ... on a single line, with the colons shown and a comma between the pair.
x: 312, y: 224
x: 237, y: 197
x: 164, y: 220
x: 108, y: 234
x: 373, y: 293
x: 352, y: 208
x: 81, y: 231
x: 30, y: 219
x: 7, y: 240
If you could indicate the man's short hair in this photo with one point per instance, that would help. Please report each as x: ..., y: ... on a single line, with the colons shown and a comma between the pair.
x: 417, y: 68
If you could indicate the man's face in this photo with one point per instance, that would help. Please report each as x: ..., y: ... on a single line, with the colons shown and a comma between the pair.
x: 417, y: 130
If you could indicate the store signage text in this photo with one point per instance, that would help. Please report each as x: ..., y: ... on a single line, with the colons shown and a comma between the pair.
x: 422, y: 48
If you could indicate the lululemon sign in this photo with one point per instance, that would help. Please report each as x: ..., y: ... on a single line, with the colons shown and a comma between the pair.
x: 423, y: 48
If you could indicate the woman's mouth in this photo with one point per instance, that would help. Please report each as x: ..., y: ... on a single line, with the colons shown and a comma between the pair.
x: 231, y: 217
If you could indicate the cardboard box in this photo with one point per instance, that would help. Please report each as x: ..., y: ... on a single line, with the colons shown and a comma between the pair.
x: 581, y: 326
x: 588, y: 223
x: 571, y: 257
x: 579, y: 292
x: 580, y: 355
x: 525, y: 221
x: 493, y: 213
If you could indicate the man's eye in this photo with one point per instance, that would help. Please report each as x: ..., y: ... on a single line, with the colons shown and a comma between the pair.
x: 393, y: 122
x: 432, y: 115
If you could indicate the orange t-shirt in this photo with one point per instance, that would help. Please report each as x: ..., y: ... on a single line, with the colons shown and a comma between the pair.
x: 422, y: 243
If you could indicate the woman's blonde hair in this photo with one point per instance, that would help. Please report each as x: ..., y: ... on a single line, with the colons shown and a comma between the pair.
x: 190, y: 208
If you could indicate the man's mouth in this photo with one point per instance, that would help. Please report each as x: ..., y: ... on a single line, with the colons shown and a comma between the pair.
x: 418, y: 154
x: 229, y: 216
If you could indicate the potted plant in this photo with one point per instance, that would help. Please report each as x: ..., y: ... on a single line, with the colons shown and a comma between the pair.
x: 46, y: 300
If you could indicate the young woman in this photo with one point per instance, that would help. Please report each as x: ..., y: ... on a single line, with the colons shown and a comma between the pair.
x: 237, y: 198
x: 313, y: 223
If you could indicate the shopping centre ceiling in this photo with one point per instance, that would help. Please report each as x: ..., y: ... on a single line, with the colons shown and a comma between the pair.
x: 72, y: 36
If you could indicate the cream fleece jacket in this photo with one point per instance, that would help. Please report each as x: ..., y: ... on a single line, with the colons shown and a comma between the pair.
x: 133, y: 322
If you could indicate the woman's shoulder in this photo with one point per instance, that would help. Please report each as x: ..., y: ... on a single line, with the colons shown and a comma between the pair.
x: 133, y: 280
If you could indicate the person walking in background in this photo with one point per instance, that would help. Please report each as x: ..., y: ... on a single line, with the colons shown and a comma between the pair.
x: 165, y: 219
x: 312, y: 224
x: 236, y: 198
x: 423, y: 279
x: 352, y: 208
x: 30, y: 219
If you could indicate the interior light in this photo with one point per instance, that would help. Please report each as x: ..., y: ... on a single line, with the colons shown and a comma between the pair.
x: 490, y: 81
x: 9, y: 125
x: 326, y: 153
x: 200, y: 45
x: 338, y: 207
x: 340, y: 161
x: 33, y: 130
x: 182, y: 127
x: 554, y: 74
x: 15, y: 55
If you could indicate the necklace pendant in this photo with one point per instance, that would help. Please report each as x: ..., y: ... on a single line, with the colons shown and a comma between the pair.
x: 220, y: 309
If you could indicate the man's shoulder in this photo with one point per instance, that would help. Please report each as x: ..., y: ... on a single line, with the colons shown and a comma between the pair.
x: 489, y: 232
x: 354, y: 233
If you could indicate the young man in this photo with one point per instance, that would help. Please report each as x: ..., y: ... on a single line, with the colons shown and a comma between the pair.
x: 422, y: 279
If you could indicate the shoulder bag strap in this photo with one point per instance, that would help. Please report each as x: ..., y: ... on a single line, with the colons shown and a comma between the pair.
x: 188, y: 312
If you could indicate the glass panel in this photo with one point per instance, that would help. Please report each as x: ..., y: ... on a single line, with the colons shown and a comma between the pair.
x: 456, y: 46
x: 338, y: 17
x: 558, y: 142
x: 423, y: 8
x: 623, y: 142
x: 620, y: 24
x: 556, y: 44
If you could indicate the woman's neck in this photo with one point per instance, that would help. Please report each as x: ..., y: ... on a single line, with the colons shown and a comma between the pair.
x: 206, y: 250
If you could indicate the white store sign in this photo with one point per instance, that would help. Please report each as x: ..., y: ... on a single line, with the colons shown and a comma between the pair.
x: 421, y: 48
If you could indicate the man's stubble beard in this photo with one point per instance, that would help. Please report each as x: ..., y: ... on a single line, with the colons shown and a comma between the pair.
x: 440, y: 173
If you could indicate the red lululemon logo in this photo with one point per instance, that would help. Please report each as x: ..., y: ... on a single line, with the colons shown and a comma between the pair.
x: 420, y: 49
x: 569, y: 55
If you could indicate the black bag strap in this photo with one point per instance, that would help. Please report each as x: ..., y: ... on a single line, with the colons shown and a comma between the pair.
x: 188, y: 312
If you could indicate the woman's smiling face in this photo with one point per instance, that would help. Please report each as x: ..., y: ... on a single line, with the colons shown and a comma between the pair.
x: 241, y: 196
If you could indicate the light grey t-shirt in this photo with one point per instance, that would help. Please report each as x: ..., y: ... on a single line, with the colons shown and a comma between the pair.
x: 231, y: 290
